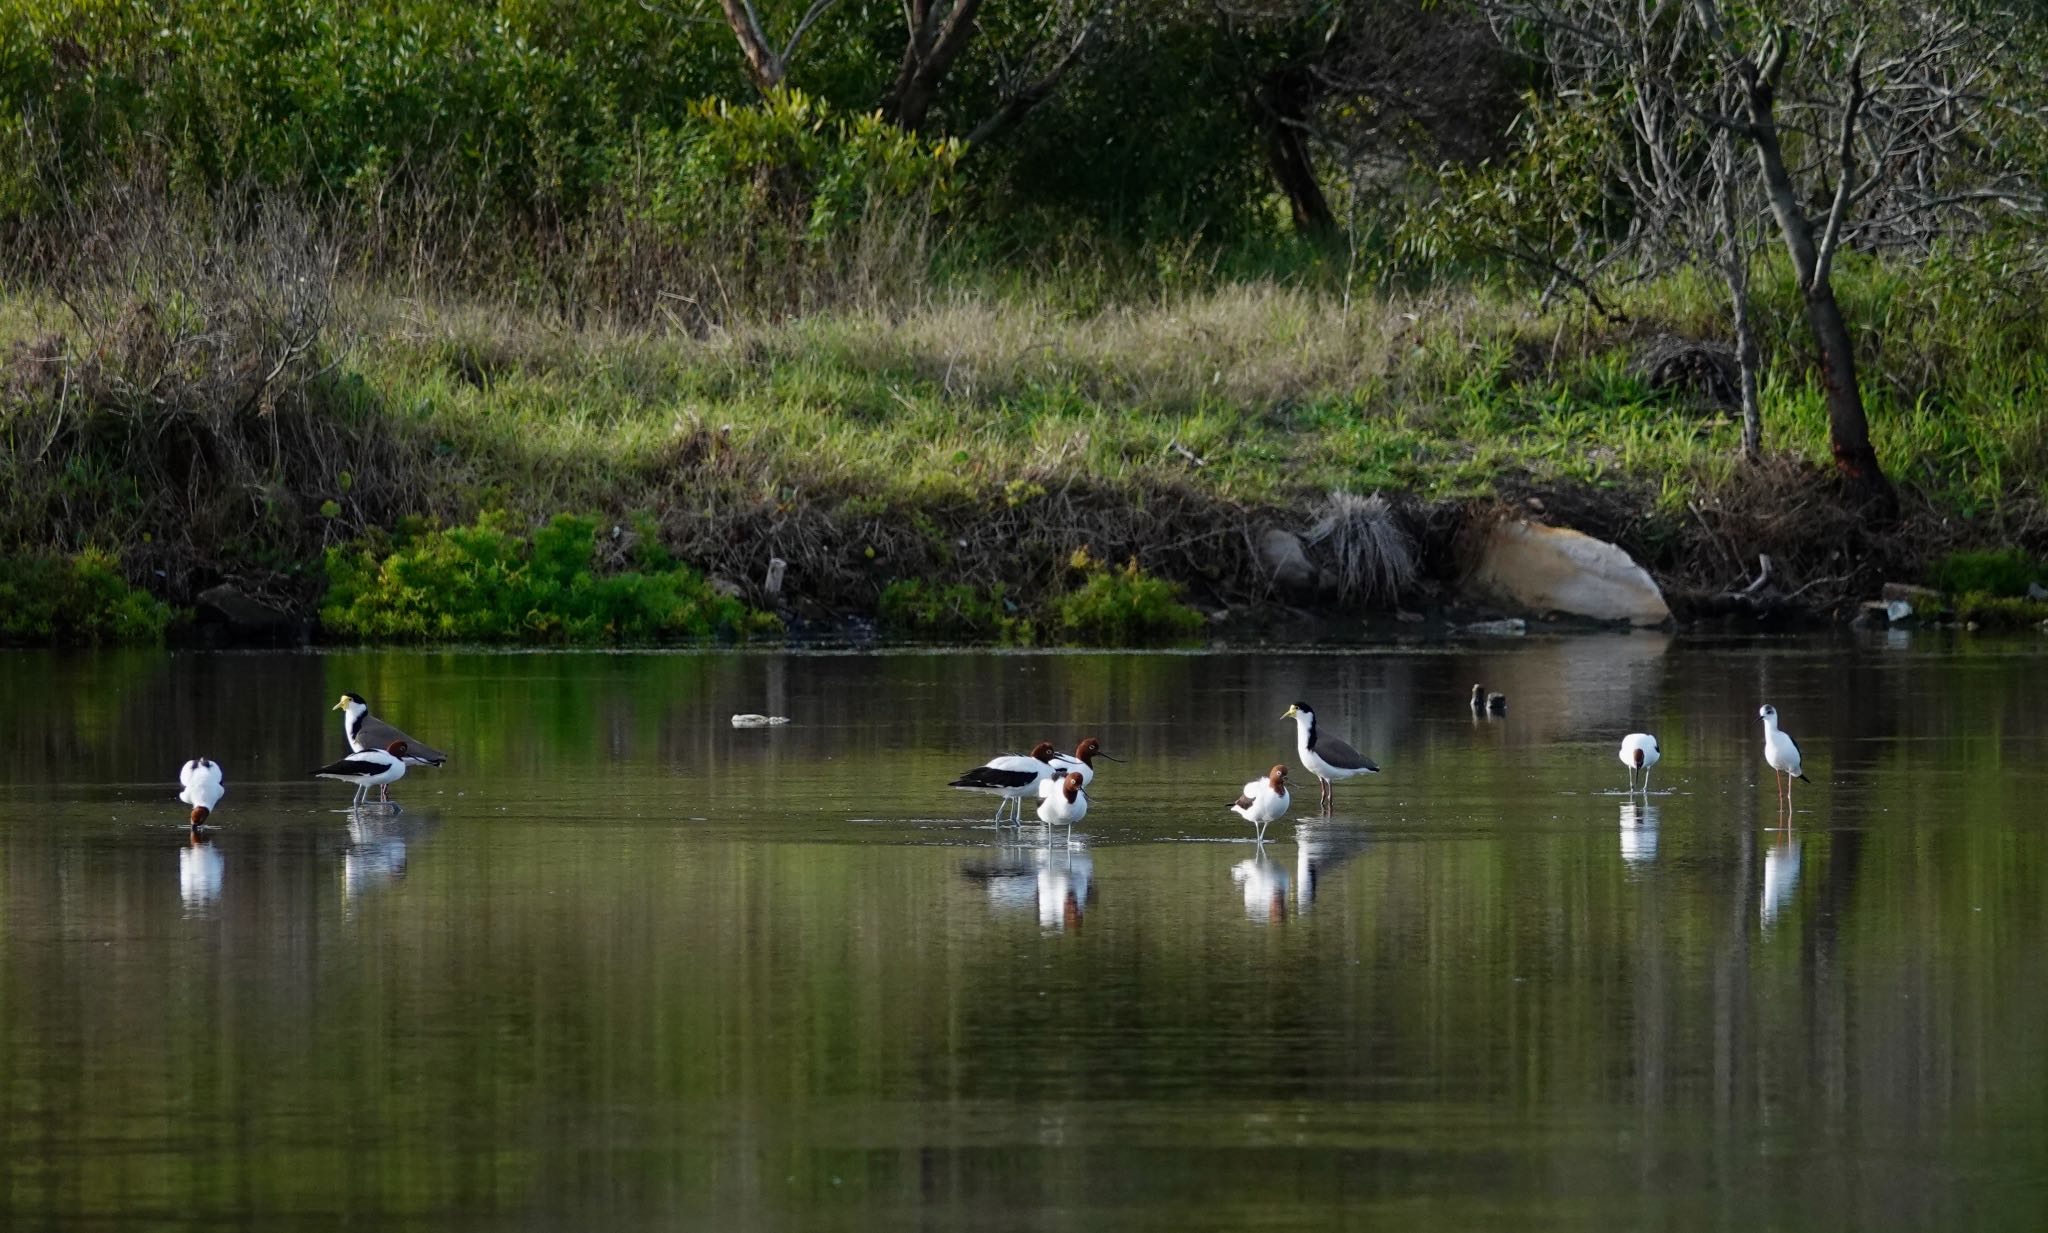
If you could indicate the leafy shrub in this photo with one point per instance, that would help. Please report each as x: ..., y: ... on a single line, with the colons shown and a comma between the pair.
x: 913, y: 608
x: 2000, y: 612
x: 79, y: 599
x: 2005, y: 574
x: 1123, y: 607
x: 487, y: 583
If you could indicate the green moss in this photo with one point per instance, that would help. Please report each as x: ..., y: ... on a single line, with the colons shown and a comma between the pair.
x: 2000, y: 611
x: 81, y: 599
x: 2004, y: 574
x: 487, y: 583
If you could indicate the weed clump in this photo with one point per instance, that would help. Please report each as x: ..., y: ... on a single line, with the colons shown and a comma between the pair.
x: 73, y: 600
x: 488, y: 583
x: 1122, y: 607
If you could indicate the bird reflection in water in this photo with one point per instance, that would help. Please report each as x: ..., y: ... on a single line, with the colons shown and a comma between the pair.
x: 199, y: 871
x: 378, y: 847
x: 1058, y: 883
x: 1264, y: 882
x: 1639, y: 833
x: 1781, y: 876
x: 1320, y: 848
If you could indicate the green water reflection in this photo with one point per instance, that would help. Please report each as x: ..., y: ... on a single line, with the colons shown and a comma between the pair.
x: 620, y: 965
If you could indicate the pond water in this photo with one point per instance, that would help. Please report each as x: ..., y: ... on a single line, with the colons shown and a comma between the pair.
x: 620, y: 965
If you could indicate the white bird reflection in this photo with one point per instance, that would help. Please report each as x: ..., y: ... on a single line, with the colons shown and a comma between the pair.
x: 1639, y: 833
x: 378, y: 848
x: 1265, y: 888
x: 199, y: 870
x: 1056, y: 883
x: 1781, y: 877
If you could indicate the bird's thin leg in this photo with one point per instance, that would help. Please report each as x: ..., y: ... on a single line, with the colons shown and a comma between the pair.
x: 1631, y: 779
x: 1646, y: 781
x: 384, y: 793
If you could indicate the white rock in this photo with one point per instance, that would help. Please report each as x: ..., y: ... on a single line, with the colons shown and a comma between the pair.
x: 758, y: 721
x: 1512, y: 627
x: 1555, y: 569
x: 1282, y: 552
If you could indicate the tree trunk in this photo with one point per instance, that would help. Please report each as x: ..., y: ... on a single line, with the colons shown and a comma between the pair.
x: 1282, y: 99
x: 1747, y: 360
x: 929, y: 50
x: 1848, y: 428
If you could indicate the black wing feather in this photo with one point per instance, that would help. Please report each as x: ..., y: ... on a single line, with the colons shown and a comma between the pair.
x: 991, y: 777
x: 353, y: 766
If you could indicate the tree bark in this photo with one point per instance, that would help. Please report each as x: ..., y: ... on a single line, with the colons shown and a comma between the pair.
x: 1282, y: 98
x: 928, y: 55
x: 1848, y: 427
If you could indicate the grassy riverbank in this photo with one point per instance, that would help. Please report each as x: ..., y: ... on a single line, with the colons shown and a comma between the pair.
x: 979, y: 437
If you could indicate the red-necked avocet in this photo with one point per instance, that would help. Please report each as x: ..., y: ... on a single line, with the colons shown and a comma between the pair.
x: 1011, y: 777
x: 1639, y: 752
x: 1062, y: 802
x: 1323, y: 755
x: 370, y: 768
x: 1082, y: 761
x: 201, y: 788
x: 1783, y: 755
x: 367, y: 732
x: 1264, y: 800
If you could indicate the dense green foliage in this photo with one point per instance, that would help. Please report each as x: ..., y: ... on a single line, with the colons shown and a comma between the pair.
x: 1123, y: 607
x: 1096, y: 605
x: 2005, y: 574
x: 488, y: 583
x: 78, y: 599
x: 953, y: 612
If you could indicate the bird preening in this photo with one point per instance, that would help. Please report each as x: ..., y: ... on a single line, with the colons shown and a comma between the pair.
x: 1264, y: 801
x: 1016, y: 778
x: 1639, y: 753
x: 200, y: 787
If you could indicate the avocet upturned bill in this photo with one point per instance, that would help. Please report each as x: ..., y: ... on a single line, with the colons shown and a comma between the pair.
x: 367, y: 732
x: 201, y: 787
x: 1082, y: 761
x: 370, y: 768
x: 1264, y: 801
x: 1062, y: 802
x: 1323, y: 755
x: 1783, y: 756
x: 1639, y: 752
x: 1011, y: 777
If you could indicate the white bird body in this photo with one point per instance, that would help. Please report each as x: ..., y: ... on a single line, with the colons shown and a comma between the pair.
x: 1264, y: 801
x: 1013, y: 778
x: 1782, y: 755
x: 365, y: 732
x: 1062, y: 801
x: 201, y: 787
x: 368, y: 769
x: 1639, y: 752
x: 1323, y: 755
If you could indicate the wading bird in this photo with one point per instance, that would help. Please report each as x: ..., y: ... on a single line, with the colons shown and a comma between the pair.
x: 1783, y: 755
x: 1323, y: 755
x: 1082, y: 761
x: 1062, y: 802
x: 372, y: 767
x: 1263, y: 801
x: 1012, y: 778
x: 1484, y: 703
x: 1639, y: 752
x: 366, y: 732
x: 202, y: 789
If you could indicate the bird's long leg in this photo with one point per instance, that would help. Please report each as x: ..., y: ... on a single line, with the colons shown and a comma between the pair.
x: 1631, y: 780
x: 384, y: 793
x: 1646, y: 781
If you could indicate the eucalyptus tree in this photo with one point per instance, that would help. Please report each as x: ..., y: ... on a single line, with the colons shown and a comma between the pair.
x: 1829, y: 123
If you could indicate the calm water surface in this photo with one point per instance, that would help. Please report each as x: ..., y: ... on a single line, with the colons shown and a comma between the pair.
x: 622, y: 966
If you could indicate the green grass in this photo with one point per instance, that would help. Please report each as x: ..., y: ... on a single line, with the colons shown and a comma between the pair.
x: 928, y: 442
x: 79, y: 599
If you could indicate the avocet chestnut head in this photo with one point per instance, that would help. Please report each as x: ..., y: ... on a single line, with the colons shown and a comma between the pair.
x: 1264, y: 801
x: 1639, y: 752
x: 1082, y: 760
x: 200, y: 787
